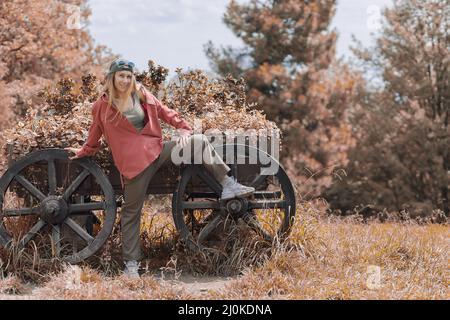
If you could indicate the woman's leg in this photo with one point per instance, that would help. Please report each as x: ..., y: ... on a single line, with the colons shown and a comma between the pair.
x: 134, y: 197
x: 135, y: 193
x: 203, y: 149
x: 135, y: 190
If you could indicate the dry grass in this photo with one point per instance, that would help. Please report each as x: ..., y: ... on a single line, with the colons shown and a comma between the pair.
x: 413, y: 262
x: 325, y: 257
x: 85, y: 283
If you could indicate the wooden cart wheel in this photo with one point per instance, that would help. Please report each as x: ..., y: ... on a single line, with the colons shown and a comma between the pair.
x: 270, y: 212
x: 42, y: 208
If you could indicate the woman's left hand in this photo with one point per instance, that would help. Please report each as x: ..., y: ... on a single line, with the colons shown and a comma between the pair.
x: 183, y: 140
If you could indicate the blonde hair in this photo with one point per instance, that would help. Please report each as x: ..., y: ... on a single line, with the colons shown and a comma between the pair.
x: 110, y: 90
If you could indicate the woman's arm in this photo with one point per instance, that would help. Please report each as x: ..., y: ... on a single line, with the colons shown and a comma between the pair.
x: 92, y: 144
x: 171, y: 117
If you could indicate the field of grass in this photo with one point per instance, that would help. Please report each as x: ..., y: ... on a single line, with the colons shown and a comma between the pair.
x: 325, y: 257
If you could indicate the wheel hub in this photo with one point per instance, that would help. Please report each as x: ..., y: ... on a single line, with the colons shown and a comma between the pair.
x: 237, y: 207
x: 54, y: 210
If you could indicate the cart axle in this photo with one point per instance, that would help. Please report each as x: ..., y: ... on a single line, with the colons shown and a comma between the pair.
x: 53, y: 209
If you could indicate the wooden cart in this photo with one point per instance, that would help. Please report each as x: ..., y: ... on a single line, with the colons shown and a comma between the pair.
x: 69, y: 208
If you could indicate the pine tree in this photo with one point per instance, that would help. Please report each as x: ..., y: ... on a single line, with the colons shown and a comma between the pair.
x: 288, y: 62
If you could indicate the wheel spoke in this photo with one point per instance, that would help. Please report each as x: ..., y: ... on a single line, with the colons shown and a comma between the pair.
x: 267, y: 194
x: 234, y: 171
x: 253, y: 223
x: 200, y: 205
x: 75, y: 184
x: 234, y: 167
x: 51, y: 177
x: 56, y: 239
x: 257, y: 194
x: 265, y: 172
x: 29, y: 186
x: 20, y: 212
x: 257, y: 181
x: 32, y: 233
x: 86, y: 207
x: 267, y: 204
x: 210, y: 227
x: 79, y: 230
x: 203, y: 195
x: 74, y: 247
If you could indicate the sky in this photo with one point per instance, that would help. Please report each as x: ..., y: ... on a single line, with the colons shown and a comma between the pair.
x: 173, y: 32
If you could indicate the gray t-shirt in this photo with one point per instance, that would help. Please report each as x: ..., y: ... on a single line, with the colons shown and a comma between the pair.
x: 135, y: 114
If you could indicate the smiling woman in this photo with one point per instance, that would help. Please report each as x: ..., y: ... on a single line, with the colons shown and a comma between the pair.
x: 122, y: 80
x: 121, y: 83
x: 128, y: 116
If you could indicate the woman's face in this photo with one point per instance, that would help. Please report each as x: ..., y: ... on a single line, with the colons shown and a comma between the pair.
x: 122, y: 80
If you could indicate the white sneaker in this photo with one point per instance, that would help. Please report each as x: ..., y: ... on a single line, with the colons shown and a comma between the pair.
x: 131, y: 269
x: 232, y: 189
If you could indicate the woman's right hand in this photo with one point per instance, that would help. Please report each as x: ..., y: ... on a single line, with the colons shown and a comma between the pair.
x: 74, y: 150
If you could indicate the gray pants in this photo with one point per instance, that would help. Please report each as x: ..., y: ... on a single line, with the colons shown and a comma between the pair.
x: 135, y: 190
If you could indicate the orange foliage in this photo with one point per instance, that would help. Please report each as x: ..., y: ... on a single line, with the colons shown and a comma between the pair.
x: 290, y: 68
x: 42, y: 41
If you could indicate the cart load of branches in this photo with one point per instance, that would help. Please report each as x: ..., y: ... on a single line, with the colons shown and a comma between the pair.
x: 63, y: 115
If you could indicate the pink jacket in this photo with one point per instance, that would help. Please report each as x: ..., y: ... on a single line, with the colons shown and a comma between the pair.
x: 132, y: 151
